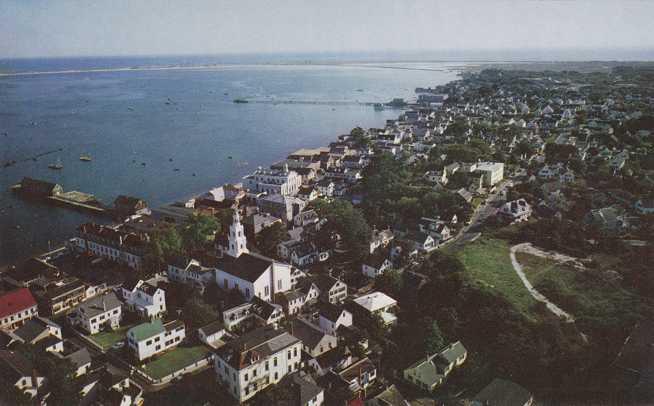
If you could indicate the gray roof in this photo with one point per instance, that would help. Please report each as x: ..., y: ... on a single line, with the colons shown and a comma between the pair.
x: 212, y: 328
x: 304, y: 386
x: 308, y: 334
x: 99, y: 304
x: 247, y: 266
x: 33, y: 328
x: 263, y: 341
x: 80, y: 357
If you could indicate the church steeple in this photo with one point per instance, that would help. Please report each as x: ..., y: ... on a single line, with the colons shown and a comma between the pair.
x: 237, y: 239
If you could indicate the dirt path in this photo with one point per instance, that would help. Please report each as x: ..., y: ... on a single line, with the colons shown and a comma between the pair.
x: 528, y: 248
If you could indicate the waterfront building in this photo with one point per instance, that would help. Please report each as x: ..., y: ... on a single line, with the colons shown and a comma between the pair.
x: 283, y: 181
x: 112, y: 243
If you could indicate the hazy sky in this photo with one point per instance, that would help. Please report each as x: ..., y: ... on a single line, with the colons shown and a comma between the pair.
x: 145, y: 27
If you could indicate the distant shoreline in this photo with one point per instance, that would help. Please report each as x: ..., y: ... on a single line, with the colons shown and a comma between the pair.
x: 216, y: 67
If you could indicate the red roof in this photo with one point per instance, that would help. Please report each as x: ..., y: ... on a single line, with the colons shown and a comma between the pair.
x: 16, y: 301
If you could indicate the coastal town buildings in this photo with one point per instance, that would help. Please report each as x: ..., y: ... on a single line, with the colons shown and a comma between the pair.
x: 151, y: 338
x: 16, y: 307
x: 283, y: 181
x: 257, y: 360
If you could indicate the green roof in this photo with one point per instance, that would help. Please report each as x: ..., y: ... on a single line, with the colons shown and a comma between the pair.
x: 146, y: 330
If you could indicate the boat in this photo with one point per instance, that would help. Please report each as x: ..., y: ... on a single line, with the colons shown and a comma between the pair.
x: 240, y: 101
x: 85, y: 158
x: 57, y: 165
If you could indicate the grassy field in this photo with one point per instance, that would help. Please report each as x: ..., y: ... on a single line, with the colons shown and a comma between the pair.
x: 106, y: 339
x: 594, y: 302
x: 174, y: 360
x: 487, y: 261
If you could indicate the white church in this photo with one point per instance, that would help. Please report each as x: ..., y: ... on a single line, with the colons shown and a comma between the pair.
x: 252, y: 274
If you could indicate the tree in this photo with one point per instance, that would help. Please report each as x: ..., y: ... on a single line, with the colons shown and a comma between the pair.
x: 343, y: 219
x: 164, y: 245
x: 359, y: 137
x: 269, y: 238
x: 524, y: 149
x: 199, y: 229
x: 390, y: 282
x: 434, y: 341
x: 196, y: 313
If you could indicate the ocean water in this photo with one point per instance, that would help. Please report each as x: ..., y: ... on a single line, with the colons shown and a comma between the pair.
x: 125, y: 119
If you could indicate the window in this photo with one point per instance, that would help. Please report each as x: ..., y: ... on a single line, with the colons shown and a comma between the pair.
x: 276, y: 375
x: 246, y: 377
x: 267, y: 366
x: 156, y: 340
x: 254, y: 373
x: 266, y: 290
x: 295, y: 351
x: 148, y: 342
x: 289, y: 354
x: 275, y: 362
x: 157, y: 348
x: 289, y: 369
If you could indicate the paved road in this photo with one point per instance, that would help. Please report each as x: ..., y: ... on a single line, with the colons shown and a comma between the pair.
x: 471, y: 232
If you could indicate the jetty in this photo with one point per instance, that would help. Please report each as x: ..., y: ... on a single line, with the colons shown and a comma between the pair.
x: 40, y: 190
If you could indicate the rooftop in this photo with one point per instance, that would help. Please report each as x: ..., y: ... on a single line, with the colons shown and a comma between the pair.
x: 16, y: 301
x: 146, y: 330
x: 375, y: 301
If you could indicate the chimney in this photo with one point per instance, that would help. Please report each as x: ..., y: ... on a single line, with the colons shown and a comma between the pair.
x: 104, y: 305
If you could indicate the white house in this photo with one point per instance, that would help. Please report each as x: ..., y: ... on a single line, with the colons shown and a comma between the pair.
x: 380, y: 304
x: 98, y: 313
x: 144, y: 298
x: 154, y: 337
x: 376, y: 265
x: 422, y: 242
x: 294, y: 300
x: 257, y: 360
x: 380, y: 239
x: 213, y: 334
x: 265, y: 313
x: 331, y: 317
x: 435, y: 228
x: 191, y: 272
x: 331, y: 289
x: 517, y: 210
